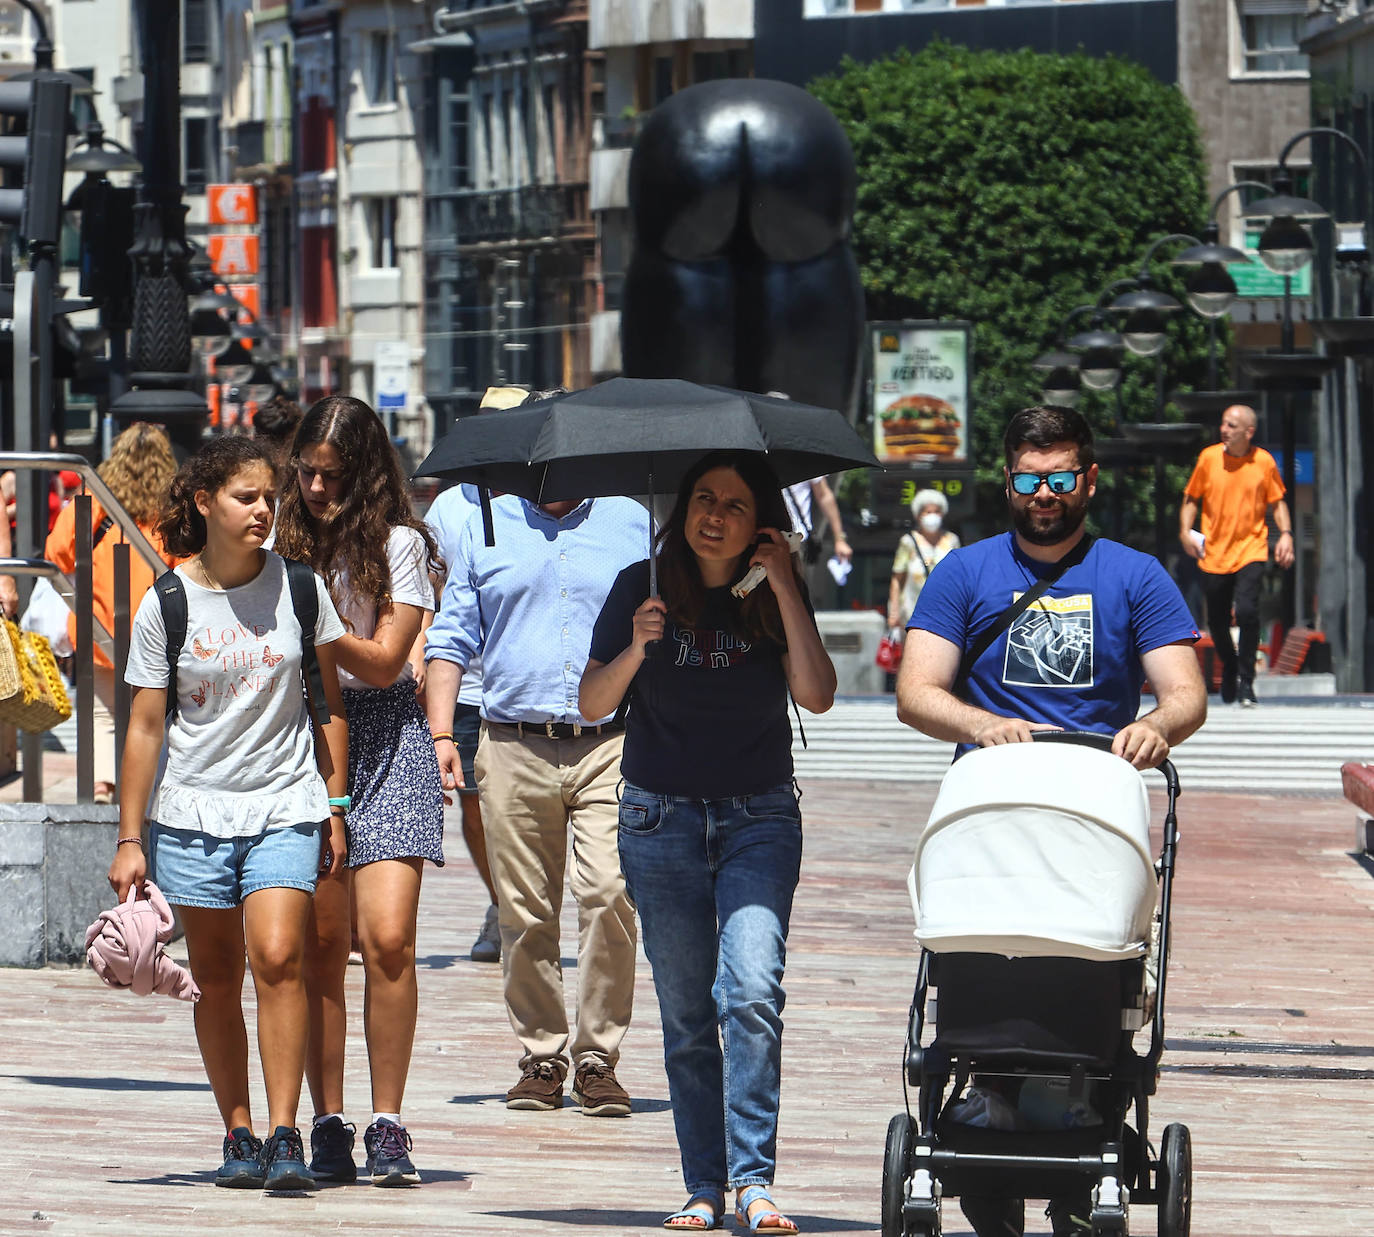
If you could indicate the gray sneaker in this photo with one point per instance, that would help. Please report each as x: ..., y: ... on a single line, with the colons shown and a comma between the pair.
x: 487, y: 946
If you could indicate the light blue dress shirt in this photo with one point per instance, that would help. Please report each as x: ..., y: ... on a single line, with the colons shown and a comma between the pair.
x: 528, y: 603
x: 446, y: 516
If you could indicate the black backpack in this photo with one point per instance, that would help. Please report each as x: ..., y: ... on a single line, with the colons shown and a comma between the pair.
x: 171, y: 597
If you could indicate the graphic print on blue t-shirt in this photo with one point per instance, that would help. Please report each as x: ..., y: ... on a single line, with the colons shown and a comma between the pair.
x: 710, y: 649
x: 1050, y: 643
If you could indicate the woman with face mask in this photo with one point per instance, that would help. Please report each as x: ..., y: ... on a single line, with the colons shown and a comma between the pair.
x: 917, y: 553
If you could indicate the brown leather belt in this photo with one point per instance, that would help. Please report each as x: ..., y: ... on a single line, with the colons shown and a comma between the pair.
x: 557, y: 730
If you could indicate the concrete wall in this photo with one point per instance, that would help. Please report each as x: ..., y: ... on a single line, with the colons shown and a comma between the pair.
x: 1244, y: 118
x: 53, y: 860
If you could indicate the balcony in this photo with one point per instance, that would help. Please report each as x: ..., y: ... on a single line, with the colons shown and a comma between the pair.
x: 531, y: 212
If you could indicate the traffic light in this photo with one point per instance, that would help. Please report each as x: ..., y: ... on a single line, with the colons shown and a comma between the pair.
x: 33, y: 149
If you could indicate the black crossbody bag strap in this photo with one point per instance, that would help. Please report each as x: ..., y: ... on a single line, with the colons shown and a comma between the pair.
x: 1008, y: 616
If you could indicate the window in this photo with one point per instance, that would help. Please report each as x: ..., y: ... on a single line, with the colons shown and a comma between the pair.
x: 379, y: 67
x: 195, y: 31
x: 199, y: 154
x: 458, y: 141
x: 1269, y: 34
x: 381, y: 233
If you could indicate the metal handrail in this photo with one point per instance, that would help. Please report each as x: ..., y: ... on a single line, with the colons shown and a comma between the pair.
x: 79, y: 596
x: 58, y: 461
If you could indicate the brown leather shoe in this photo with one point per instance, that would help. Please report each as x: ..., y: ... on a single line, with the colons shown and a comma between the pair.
x: 540, y: 1087
x: 595, y: 1088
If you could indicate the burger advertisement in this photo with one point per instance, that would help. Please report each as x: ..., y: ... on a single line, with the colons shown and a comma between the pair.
x: 920, y: 392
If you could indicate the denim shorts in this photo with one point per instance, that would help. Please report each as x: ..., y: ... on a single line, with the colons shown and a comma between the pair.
x: 467, y: 728
x: 195, y: 869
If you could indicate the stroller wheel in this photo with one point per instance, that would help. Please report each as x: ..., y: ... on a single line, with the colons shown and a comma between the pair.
x: 1175, y: 1181
x: 896, y: 1167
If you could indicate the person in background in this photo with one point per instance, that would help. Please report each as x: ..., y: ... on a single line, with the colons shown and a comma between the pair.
x: 918, y: 550
x: 9, y: 591
x: 347, y: 513
x: 1237, y: 487
x: 275, y: 423
x: 446, y: 516
x: 139, y: 473
x: 803, y: 500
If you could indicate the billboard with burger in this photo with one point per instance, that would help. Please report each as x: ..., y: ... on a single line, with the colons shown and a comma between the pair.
x: 920, y: 391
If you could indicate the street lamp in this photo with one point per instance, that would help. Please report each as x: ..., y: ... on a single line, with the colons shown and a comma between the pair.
x: 43, y: 57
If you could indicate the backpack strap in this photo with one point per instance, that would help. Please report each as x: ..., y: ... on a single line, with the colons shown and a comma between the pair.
x: 101, y: 529
x: 171, y: 599
x: 305, y: 601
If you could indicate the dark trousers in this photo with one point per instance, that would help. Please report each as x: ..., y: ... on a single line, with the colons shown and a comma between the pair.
x: 1239, y: 589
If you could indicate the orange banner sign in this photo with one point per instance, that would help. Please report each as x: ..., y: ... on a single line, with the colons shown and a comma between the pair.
x: 232, y: 203
x: 234, y: 255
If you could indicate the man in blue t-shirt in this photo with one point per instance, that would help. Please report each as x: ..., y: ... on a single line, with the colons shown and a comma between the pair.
x: 1074, y: 659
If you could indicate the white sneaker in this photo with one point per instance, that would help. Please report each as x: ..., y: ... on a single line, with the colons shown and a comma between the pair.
x: 487, y: 946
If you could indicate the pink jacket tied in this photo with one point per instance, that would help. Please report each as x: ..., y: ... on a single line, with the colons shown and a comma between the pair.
x: 125, y: 947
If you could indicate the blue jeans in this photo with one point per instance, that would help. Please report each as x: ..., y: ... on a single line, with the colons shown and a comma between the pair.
x: 713, y: 881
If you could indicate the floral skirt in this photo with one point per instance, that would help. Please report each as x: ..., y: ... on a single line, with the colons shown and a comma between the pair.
x: 393, y: 778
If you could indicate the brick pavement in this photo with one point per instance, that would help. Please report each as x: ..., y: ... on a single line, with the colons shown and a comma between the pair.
x: 109, y: 1126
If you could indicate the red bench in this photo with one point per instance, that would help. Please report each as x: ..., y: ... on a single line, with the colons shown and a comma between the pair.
x: 1357, y: 781
x: 1296, y: 648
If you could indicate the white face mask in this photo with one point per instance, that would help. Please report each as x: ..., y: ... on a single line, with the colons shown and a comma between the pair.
x: 930, y: 523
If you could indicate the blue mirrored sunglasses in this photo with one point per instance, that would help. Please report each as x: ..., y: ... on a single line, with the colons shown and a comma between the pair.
x: 1065, y: 482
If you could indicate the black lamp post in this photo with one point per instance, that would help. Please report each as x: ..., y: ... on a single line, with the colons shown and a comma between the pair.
x: 160, y: 346
x: 1285, y: 248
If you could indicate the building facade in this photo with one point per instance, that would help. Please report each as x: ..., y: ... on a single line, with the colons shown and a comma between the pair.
x: 509, y: 240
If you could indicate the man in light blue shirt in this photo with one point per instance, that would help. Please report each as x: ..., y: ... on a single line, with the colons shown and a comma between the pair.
x: 527, y: 606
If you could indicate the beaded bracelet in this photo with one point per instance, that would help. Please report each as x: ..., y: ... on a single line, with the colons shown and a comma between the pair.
x: 120, y: 842
x: 444, y: 734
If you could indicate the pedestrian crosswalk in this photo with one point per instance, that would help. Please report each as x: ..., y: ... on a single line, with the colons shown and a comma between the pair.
x: 1275, y: 748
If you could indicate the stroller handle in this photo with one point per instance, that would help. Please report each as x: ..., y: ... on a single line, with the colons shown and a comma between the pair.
x: 1103, y: 742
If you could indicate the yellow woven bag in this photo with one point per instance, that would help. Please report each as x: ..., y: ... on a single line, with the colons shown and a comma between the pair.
x: 41, y: 702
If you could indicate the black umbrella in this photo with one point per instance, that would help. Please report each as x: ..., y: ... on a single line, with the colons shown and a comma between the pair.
x: 637, y: 435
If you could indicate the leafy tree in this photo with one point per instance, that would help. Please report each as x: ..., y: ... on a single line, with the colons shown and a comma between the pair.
x: 1007, y: 188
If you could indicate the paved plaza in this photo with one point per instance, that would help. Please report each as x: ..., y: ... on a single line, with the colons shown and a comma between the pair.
x: 109, y: 1125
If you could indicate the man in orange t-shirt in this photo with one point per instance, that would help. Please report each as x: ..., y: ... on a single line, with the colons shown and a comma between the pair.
x: 1238, y: 487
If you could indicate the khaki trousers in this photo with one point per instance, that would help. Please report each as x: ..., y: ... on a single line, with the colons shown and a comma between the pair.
x: 533, y: 790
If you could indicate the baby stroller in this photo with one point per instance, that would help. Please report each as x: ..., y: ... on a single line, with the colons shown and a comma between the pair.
x: 1035, y: 896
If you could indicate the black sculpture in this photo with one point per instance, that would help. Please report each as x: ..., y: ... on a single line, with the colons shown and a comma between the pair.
x: 741, y: 192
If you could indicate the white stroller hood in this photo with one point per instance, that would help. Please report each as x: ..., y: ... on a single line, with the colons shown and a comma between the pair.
x: 1037, y: 850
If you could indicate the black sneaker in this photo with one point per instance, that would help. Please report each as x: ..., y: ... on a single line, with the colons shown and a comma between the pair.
x: 1228, y: 685
x: 331, y: 1151
x: 1245, y: 694
x: 283, y: 1162
x: 240, y: 1170
x: 388, y: 1159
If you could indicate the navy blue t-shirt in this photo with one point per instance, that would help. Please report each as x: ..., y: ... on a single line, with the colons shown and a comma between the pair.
x: 708, y: 710
x: 1072, y: 658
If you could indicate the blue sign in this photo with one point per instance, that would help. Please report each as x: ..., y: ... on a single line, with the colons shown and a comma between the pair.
x: 1303, y: 470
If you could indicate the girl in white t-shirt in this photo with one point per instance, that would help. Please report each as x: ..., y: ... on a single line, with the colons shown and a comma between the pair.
x: 241, y: 819
x: 348, y: 515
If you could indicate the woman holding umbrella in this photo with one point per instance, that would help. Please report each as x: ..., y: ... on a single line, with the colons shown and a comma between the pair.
x: 710, y: 829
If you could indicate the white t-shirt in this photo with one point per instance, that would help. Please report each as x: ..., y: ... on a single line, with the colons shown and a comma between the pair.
x: 798, y: 500
x: 239, y: 758
x: 446, y: 516
x: 410, y: 585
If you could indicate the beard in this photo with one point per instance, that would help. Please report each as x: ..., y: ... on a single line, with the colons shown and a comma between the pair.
x: 1067, y: 518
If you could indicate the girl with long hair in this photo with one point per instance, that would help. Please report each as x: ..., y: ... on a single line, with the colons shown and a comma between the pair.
x: 710, y: 828
x: 348, y: 515
x: 139, y: 472
x: 241, y: 820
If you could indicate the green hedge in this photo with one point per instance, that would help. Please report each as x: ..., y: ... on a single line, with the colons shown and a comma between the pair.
x: 1006, y: 188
